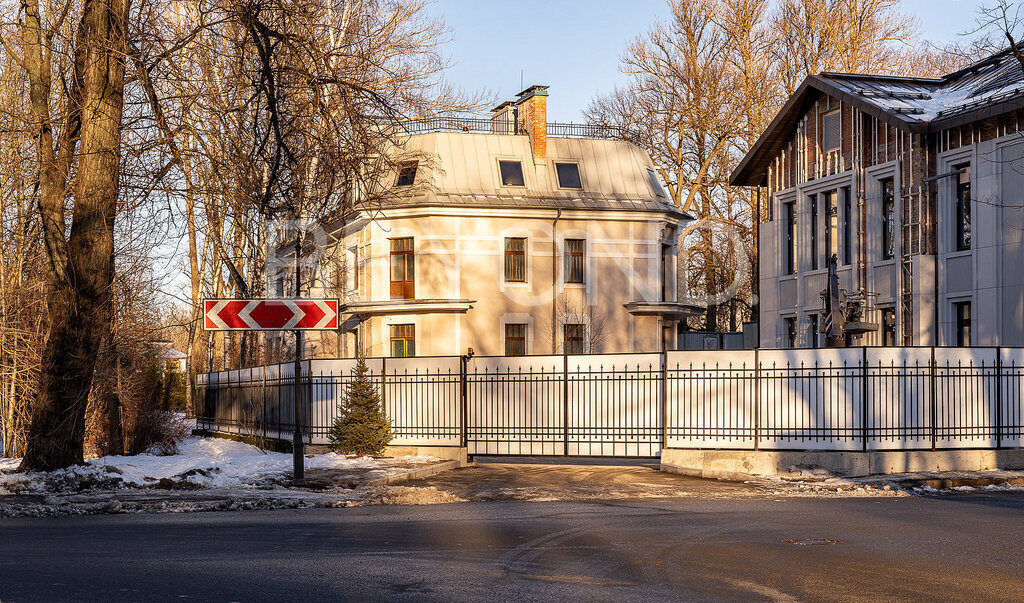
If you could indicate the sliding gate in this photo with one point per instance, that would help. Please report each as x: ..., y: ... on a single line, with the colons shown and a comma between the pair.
x: 565, y: 405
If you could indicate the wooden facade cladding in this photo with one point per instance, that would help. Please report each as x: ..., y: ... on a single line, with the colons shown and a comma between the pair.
x: 919, y: 162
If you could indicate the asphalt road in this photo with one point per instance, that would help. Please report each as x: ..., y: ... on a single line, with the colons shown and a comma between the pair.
x: 966, y: 547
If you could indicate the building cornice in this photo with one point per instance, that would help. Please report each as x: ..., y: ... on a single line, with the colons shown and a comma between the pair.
x: 409, y: 306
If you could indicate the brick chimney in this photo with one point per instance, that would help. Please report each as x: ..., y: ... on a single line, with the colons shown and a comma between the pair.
x: 533, y: 118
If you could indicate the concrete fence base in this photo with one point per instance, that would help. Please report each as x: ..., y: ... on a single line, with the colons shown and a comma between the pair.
x: 448, y: 453
x: 743, y: 464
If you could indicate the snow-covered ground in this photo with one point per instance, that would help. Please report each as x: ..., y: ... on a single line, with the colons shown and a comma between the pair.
x: 200, y: 463
x: 207, y: 474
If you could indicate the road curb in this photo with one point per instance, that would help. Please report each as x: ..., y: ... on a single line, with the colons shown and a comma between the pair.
x: 405, y: 476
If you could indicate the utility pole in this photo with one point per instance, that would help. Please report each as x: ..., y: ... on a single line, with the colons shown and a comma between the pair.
x: 298, y: 460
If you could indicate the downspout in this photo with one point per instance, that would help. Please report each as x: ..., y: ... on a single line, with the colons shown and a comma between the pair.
x: 933, y: 209
x: 554, y: 282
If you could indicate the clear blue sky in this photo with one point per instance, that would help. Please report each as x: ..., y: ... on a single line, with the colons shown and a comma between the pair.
x: 574, y: 45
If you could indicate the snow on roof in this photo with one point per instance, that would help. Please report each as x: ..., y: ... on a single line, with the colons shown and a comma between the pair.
x: 993, y: 80
x: 990, y: 87
x: 172, y: 354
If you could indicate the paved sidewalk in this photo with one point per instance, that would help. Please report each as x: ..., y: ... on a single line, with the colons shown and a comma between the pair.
x: 582, y: 479
x: 550, y: 478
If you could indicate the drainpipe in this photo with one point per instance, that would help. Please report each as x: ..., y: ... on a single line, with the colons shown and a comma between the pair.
x: 554, y: 282
x: 936, y: 306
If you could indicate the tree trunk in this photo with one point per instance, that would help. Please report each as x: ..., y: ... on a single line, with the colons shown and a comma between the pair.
x: 108, y: 436
x: 79, y: 303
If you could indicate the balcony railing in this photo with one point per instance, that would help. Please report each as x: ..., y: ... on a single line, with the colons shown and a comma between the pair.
x: 489, y: 126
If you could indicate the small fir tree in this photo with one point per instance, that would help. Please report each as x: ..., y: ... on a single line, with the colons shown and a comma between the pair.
x: 361, y: 427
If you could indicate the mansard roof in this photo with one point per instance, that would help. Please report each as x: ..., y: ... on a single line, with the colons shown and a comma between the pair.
x: 990, y: 87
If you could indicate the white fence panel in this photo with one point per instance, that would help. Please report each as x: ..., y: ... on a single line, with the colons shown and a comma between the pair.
x: 614, y: 405
x: 711, y: 399
x: 811, y: 399
x: 515, y: 405
x: 965, y: 397
x: 422, y: 399
x: 1012, y: 407
x: 899, y: 398
x: 325, y: 384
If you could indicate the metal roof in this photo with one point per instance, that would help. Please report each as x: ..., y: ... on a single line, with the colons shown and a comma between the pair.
x: 461, y: 170
x: 990, y: 87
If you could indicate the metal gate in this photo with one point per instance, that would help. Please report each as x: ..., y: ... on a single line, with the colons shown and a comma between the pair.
x: 565, y: 405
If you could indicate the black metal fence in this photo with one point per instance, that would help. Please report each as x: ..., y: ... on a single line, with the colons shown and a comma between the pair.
x: 636, y: 404
x: 500, y: 126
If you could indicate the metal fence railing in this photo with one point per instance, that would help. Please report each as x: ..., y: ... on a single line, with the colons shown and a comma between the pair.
x: 508, y: 126
x: 637, y: 404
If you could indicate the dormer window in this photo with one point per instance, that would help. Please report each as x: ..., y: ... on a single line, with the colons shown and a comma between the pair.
x: 831, y: 131
x: 568, y: 175
x: 654, y: 183
x: 407, y: 173
x: 511, y: 173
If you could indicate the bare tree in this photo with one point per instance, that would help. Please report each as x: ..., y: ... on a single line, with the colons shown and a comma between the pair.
x: 704, y: 85
x: 574, y: 310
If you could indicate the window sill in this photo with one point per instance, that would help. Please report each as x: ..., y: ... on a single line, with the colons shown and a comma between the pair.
x: 959, y: 254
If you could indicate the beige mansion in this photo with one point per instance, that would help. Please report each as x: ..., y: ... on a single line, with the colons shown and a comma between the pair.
x: 509, y: 240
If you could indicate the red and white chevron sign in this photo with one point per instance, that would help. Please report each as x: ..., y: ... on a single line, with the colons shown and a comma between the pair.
x: 270, y: 314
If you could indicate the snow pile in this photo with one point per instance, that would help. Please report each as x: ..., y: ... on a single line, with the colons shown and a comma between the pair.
x: 201, y: 463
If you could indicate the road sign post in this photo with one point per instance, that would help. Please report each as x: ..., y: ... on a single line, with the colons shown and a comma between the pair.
x: 296, y: 315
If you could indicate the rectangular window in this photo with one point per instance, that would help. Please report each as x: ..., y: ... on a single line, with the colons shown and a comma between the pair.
x: 403, y: 264
x: 963, y: 208
x: 790, y: 324
x: 812, y: 330
x: 515, y: 260
x: 814, y: 232
x: 407, y: 173
x: 403, y: 341
x: 568, y: 175
x: 574, y: 260
x: 666, y: 264
x: 847, y: 227
x: 889, y: 327
x: 511, y: 173
x: 515, y: 339
x: 789, y: 217
x: 831, y: 227
x: 574, y: 334
x: 655, y: 183
x: 888, y: 219
x: 962, y: 313
x: 831, y: 131
x: 280, y: 287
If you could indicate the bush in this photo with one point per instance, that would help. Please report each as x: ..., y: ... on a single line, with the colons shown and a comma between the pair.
x: 148, y: 419
x: 361, y: 427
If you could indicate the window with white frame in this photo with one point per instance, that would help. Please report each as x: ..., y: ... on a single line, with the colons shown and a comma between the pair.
x: 963, y: 208
x: 888, y: 218
x: 511, y: 173
x: 515, y: 339
x: 575, y: 260
x: 568, y: 175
